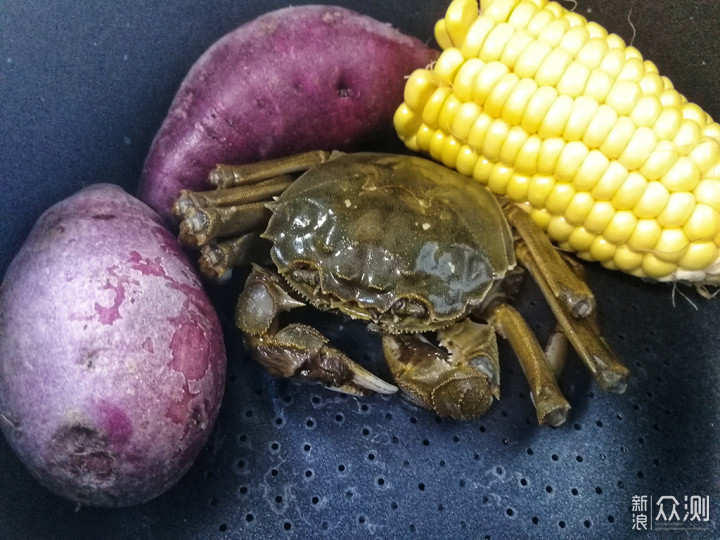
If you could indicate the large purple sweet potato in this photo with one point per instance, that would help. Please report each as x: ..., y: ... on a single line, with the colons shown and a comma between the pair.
x: 296, y: 79
x: 112, y: 362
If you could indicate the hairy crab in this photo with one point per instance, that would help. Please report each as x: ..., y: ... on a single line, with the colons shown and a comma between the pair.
x: 426, y: 256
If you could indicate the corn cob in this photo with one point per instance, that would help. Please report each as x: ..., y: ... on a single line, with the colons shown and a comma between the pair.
x: 578, y: 129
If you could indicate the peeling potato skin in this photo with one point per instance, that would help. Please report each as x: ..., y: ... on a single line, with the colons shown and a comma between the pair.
x: 112, y: 362
x: 296, y: 79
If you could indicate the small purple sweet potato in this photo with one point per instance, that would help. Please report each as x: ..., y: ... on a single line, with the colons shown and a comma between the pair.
x: 297, y: 79
x: 112, y: 362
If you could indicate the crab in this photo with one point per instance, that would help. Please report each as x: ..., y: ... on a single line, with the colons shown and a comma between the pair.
x: 429, y: 258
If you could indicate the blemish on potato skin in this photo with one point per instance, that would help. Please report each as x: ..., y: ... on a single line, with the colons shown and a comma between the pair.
x: 82, y: 452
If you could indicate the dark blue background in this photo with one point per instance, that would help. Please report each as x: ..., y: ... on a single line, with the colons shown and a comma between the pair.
x: 84, y: 86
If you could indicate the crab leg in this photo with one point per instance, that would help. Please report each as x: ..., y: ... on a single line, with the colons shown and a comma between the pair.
x: 295, y: 350
x: 550, y: 405
x: 583, y: 333
x: 225, y: 176
x: 217, y: 259
x: 564, y: 285
x: 459, y: 379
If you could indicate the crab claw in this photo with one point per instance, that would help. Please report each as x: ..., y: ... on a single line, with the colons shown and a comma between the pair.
x: 459, y: 380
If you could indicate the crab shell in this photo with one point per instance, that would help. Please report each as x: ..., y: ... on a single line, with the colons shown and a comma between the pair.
x: 397, y: 240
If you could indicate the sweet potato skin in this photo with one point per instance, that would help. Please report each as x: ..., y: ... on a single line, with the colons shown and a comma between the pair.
x: 300, y: 78
x: 112, y: 361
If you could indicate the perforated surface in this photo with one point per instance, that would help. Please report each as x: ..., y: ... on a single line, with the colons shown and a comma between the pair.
x: 84, y: 87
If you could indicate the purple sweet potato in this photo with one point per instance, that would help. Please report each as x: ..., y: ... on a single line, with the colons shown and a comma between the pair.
x: 296, y: 79
x: 112, y: 362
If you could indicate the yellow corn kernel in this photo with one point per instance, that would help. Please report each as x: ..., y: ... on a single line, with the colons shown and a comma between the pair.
x: 602, y: 250
x: 540, y: 21
x: 559, y: 229
x: 405, y: 120
x: 527, y: 157
x: 466, y: 159
x: 618, y: 138
x: 553, y: 32
x: 632, y: 70
x: 434, y: 105
x: 465, y: 116
x: 537, y: 108
x: 638, y: 150
x: 549, y: 152
x: 522, y: 14
x: 553, y: 67
x: 517, y: 187
x: 578, y: 208
x: 436, y: 145
x: 459, y: 16
x: 448, y: 112
x: 486, y: 79
x: 626, y: 259
x: 451, y: 148
x: 542, y: 217
x: 476, y: 36
x: 592, y: 52
x: 479, y: 129
x: 574, y: 39
x: 532, y: 57
x: 424, y: 136
x: 598, y: 85
x: 661, y: 159
x: 708, y: 192
x: 652, y: 201
x: 683, y: 175
x: 515, y: 46
x: 671, y: 245
x: 671, y: 98
x: 573, y: 80
x: 492, y: 48
x: 702, y: 224
x: 646, y: 112
x: 583, y: 111
x: 496, y: 134
x: 465, y: 77
x: 498, y: 11
x: 559, y: 198
x: 610, y: 181
x: 599, y: 127
x: 706, y: 154
x: 614, y: 60
x: 557, y: 116
x: 699, y: 255
x: 441, y: 35
x: 591, y: 170
x: 687, y: 137
x: 677, y: 210
x: 623, y: 96
x: 652, y: 84
x: 631, y: 191
x: 580, y: 239
x: 481, y: 173
x: 620, y: 228
x: 569, y: 161
x: 539, y: 189
x: 510, y: 148
x: 654, y: 267
x: 447, y: 65
x: 518, y: 100
x: 645, y: 235
x: 495, y: 102
x: 499, y: 177
x: 418, y: 89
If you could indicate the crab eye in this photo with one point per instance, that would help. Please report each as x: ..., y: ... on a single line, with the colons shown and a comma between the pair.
x: 306, y: 275
x: 407, y: 307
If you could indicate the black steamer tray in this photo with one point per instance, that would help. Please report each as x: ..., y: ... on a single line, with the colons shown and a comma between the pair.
x: 84, y: 87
